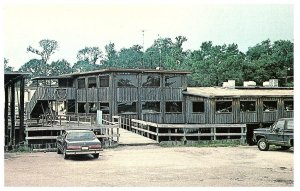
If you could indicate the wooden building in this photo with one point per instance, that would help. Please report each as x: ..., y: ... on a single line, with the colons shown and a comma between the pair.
x: 150, y: 95
x: 158, y: 96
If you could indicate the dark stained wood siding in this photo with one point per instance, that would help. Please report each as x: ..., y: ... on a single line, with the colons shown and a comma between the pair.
x: 103, y: 94
x: 248, y: 117
x: 174, y: 118
x: 173, y: 94
x: 127, y: 94
x: 152, y: 117
x: 92, y: 95
x: 151, y: 94
x: 81, y: 95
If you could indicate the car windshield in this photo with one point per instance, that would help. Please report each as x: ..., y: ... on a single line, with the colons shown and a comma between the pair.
x: 80, y: 136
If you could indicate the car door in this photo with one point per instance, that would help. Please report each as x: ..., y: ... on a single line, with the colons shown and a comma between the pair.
x: 276, y: 136
x: 288, y: 131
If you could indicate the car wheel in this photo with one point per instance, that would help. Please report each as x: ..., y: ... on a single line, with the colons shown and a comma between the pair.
x: 96, y: 155
x: 263, y: 144
x: 284, y: 147
x: 65, y: 155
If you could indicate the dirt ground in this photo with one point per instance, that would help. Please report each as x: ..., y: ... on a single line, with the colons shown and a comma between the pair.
x: 154, y: 166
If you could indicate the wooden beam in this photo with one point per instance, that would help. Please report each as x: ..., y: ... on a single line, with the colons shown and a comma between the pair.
x: 143, y: 130
x: 12, y: 115
x: 21, y: 109
x: 200, y: 125
x: 6, y: 116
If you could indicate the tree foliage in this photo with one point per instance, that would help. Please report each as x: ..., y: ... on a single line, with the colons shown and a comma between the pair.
x: 59, y: 67
x: 84, y: 66
x: 48, y: 48
x: 210, y: 64
x: 89, y: 54
x: 36, y: 67
x: 7, y: 68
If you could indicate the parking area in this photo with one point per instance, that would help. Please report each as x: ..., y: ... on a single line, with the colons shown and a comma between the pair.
x: 152, y: 165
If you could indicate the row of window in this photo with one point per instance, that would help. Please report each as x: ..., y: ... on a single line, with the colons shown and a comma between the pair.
x: 176, y: 107
x: 130, y: 81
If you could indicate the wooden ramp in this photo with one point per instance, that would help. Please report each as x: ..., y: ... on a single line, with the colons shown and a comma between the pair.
x: 132, y: 139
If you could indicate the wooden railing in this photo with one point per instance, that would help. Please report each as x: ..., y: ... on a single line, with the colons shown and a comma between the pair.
x: 214, y: 131
x: 107, y: 131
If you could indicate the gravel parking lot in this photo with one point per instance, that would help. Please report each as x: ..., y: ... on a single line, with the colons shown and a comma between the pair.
x: 154, y: 166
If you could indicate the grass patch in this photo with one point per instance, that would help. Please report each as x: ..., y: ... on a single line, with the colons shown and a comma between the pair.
x: 208, y: 143
x: 20, y: 149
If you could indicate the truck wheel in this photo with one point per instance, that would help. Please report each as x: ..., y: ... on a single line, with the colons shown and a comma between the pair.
x: 284, y: 148
x: 96, y: 155
x: 263, y: 144
x: 65, y: 155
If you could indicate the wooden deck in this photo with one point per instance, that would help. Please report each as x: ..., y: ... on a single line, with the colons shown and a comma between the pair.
x: 130, y: 138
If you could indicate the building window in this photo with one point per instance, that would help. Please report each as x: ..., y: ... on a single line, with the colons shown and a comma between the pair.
x: 223, y: 106
x: 92, y: 108
x: 92, y: 82
x: 270, y: 105
x: 173, y: 81
x: 81, y: 107
x: 81, y: 83
x: 151, y: 81
x: 289, y: 105
x: 150, y: 107
x: 174, y: 107
x: 71, y: 106
x: 104, y: 107
x: 127, y: 81
x: 198, y: 107
x: 247, y: 106
x: 104, y: 81
x: 126, y: 107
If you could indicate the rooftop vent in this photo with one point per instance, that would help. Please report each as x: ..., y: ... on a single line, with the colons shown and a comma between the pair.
x: 230, y: 84
x: 249, y: 83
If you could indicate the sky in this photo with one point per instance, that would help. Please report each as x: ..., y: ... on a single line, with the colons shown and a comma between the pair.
x: 77, y: 25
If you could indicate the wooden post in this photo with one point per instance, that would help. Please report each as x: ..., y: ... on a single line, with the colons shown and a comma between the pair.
x: 228, y: 131
x: 60, y: 120
x: 157, y: 132
x: 78, y: 120
x: 118, y: 135
x: 21, y: 109
x: 43, y: 120
x: 214, y: 133
x: 12, y: 115
x: 6, y: 116
x: 148, y: 128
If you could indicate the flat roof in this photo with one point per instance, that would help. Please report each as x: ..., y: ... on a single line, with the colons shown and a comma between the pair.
x: 50, y: 77
x: 109, y: 70
x: 226, y: 92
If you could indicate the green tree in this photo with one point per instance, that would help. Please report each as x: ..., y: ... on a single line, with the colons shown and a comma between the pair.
x: 131, y: 57
x: 212, y: 65
x: 7, y: 68
x: 48, y: 48
x: 111, y: 56
x: 89, y: 54
x: 36, y: 68
x: 266, y: 61
x: 60, y: 67
x: 84, y: 66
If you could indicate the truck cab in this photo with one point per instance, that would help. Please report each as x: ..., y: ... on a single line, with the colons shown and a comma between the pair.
x: 281, y: 133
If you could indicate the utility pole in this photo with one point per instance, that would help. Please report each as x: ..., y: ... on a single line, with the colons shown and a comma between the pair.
x: 143, y: 33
